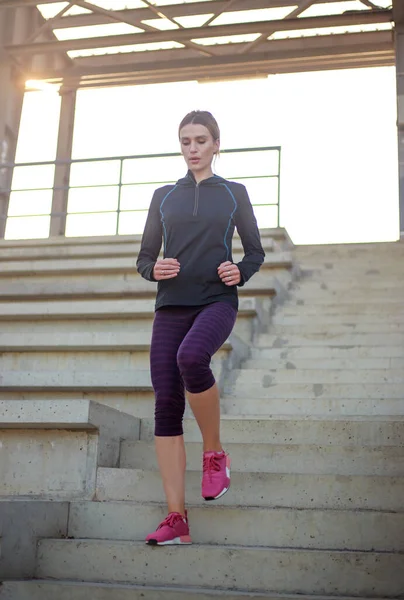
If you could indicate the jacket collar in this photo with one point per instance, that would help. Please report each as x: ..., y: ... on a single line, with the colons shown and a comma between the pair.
x: 189, y: 180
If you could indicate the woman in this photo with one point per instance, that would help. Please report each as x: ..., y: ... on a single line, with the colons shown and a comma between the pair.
x: 196, y: 308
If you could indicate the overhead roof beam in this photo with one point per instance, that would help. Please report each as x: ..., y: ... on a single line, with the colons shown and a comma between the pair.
x: 185, y: 10
x: 268, y: 48
x: 122, y: 18
x: 303, y: 5
x: 229, y: 4
x: 367, y: 17
x: 47, y: 25
x: 367, y: 49
x: 162, y: 15
x: 171, y: 10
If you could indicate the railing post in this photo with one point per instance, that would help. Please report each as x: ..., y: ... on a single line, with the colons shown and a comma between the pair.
x: 11, y: 98
x: 63, y: 158
x: 398, y: 12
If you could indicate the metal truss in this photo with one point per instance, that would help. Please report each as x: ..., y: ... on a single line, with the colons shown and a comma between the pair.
x: 193, y: 59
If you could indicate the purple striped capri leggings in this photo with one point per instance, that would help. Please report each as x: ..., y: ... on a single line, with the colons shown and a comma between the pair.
x: 184, y: 340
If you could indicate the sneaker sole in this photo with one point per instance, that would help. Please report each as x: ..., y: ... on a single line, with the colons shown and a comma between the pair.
x: 222, y: 493
x: 175, y: 542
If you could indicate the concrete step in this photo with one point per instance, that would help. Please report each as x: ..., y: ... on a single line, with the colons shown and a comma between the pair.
x: 90, y: 247
x: 373, y: 281
x: 92, y: 311
x: 325, y: 329
x: 268, y: 388
x: 345, y: 270
x: 282, y: 458
x: 370, y: 283
x: 80, y: 341
x: 119, y: 380
x: 324, y: 431
x: 268, y: 377
x: 279, y: 320
x: 104, y: 333
x: 287, y: 490
x: 133, y: 402
x: 53, y: 449
x: 115, y: 285
x: 375, y: 253
x: 22, y: 523
x: 109, y: 264
x: 66, y: 339
x: 73, y: 358
x: 248, y: 405
x: 327, y: 351
x: 325, y: 249
x: 326, y: 300
x: 343, y: 310
x: 68, y: 590
x: 74, y: 415
x: 322, y: 274
x: 76, y: 310
x: 373, y: 260
x: 307, y: 289
x: 348, y: 269
x: 76, y: 359
x: 113, y: 255
x: 269, y: 340
x: 126, y: 380
x: 249, y: 526
x: 326, y: 364
x: 260, y: 569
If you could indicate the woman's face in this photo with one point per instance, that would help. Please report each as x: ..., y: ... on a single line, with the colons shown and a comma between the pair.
x: 198, y: 147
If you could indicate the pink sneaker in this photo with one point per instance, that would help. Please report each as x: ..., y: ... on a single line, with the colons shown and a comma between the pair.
x: 173, y: 530
x: 216, y: 475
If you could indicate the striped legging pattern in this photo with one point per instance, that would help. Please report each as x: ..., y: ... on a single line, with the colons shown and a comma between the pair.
x: 184, y: 340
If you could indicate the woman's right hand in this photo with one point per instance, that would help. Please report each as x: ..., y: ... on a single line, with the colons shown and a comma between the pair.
x: 166, y: 268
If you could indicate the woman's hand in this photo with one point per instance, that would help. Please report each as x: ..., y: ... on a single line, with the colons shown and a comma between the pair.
x: 229, y: 273
x: 166, y: 268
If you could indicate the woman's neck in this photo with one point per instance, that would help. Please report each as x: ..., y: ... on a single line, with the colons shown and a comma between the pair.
x: 201, y: 175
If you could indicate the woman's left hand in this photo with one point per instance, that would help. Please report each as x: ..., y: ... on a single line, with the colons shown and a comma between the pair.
x: 229, y: 273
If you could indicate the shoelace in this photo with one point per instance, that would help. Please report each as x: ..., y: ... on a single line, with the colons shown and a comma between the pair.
x: 170, y: 520
x: 210, y: 463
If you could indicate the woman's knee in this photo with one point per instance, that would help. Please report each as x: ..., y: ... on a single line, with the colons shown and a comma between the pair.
x: 195, y: 371
x: 190, y: 361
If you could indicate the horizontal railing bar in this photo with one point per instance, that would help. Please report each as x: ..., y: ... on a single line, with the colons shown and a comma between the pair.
x: 97, y: 212
x: 130, y: 157
x: 117, y: 185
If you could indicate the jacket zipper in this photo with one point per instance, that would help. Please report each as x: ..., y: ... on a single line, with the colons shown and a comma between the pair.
x: 196, y: 200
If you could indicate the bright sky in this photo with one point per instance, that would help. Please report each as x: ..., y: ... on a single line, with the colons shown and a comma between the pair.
x: 337, y: 131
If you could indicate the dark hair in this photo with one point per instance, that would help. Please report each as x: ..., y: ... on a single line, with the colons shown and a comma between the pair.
x: 202, y: 117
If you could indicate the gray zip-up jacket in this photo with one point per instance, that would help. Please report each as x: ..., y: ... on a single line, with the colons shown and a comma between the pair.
x: 196, y: 223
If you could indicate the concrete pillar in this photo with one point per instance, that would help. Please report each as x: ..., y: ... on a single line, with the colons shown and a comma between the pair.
x: 11, y: 98
x: 63, y: 156
x: 398, y: 11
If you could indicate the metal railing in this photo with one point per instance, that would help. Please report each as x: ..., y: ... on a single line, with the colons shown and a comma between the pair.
x: 264, y: 181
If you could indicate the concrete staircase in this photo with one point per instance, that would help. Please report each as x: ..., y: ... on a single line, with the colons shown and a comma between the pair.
x: 313, y: 416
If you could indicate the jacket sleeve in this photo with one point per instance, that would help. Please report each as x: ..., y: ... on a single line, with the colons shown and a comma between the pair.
x: 151, y: 240
x: 247, y: 228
